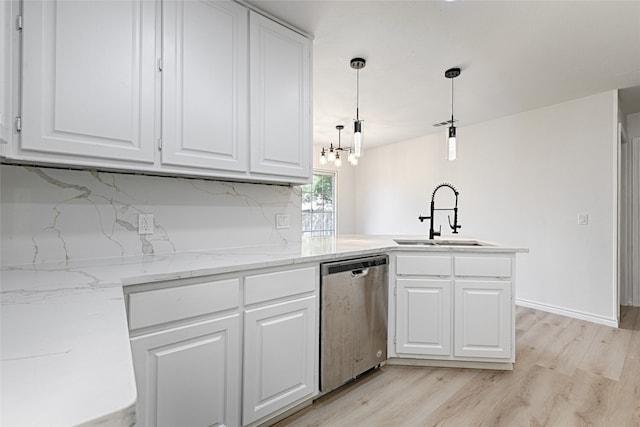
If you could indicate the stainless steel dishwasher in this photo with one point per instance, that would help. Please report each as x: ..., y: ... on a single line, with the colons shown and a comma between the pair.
x: 353, y: 318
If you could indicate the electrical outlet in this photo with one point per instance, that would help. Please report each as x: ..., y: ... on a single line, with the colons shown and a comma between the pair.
x: 145, y: 223
x: 282, y: 220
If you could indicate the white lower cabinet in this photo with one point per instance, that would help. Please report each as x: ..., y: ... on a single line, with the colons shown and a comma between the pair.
x: 280, y: 342
x: 189, y: 375
x: 482, y: 319
x: 279, y: 356
x: 202, y: 358
x: 424, y: 316
x: 455, y: 307
x: 186, y: 347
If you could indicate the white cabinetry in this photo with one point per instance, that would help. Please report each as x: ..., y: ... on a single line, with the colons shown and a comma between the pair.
x: 88, y: 88
x: 455, y: 307
x: 482, y: 318
x: 205, y: 85
x: 424, y: 316
x: 209, y: 89
x: 7, y: 71
x: 280, y: 99
x: 185, y: 342
x: 197, y: 362
x: 191, y: 374
x: 280, y: 342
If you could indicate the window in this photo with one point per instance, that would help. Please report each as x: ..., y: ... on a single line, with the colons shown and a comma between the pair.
x: 318, y: 206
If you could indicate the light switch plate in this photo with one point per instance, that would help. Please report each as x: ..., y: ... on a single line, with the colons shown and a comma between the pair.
x: 145, y: 223
x: 282, y: 220
x: 583, y: 218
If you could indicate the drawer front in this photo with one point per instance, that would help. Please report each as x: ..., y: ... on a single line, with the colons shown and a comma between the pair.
x: 482, y: 266
x: 423, y: 265
x: 182, y: 302
x: 280, y: 284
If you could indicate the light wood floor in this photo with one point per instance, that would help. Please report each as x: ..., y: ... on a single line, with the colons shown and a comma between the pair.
x: 568, y: 372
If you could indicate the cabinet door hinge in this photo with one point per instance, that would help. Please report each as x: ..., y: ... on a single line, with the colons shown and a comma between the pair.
x: 159, y: 64
x: 159, y: 144
x: 394, y: 340
x: 19, y: 23
x: 18, y: 124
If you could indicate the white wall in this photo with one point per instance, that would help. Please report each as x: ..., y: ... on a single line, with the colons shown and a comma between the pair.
x: 49, y: 215
x: 345, y: 182
x: 523, y: 180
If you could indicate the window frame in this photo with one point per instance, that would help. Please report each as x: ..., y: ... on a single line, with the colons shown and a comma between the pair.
x: 322, y: 233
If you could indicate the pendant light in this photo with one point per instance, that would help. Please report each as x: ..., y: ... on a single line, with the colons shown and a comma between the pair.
x: 357, y: 64
x: 334, y: 154
x: 452, y: 145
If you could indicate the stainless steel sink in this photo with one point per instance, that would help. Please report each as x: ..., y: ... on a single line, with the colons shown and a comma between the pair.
x: 434, y: 242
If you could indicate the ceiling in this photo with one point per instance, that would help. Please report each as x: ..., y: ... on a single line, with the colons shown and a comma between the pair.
x: 514, y: 55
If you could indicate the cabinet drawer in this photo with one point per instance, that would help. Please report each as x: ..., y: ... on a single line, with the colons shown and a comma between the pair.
x: 423, y: 265
x: 280, y: 284
x: 482, y: 266
x: 181, y: 302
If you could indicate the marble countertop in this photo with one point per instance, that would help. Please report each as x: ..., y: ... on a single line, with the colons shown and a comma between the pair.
x: 65, y: 349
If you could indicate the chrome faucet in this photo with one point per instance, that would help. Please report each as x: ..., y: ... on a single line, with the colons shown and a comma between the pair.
x: 454, y: 226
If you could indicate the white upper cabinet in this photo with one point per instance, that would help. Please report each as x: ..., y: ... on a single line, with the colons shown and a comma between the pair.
x: 280, y: 61
x: 88, y: 88
x: 205, y: 84
x: 7, y: 27
x: 197, y: 88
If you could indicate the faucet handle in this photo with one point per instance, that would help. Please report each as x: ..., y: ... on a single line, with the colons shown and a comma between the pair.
x: 455, y: 225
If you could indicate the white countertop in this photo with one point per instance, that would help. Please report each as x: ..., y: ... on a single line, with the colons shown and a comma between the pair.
x: 65, y: 349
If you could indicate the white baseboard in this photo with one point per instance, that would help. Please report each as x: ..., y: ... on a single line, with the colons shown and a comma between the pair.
x: 569, y: 313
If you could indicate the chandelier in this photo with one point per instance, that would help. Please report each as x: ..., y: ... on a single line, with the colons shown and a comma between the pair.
x: 335, y: 154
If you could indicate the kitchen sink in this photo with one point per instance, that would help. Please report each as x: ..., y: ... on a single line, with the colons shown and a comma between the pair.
x: 434, y: 242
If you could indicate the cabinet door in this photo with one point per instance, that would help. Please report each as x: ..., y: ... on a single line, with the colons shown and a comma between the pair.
x: 8, y: 12
x: 423, y: 316
x: 280, y: 99
x: 482, y: 319
x: 279, y: 356
x: 88, y: 89
x: 204, y: 84
x: 189, y: 375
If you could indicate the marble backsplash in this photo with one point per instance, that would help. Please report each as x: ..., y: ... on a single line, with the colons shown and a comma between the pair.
x: 51, y: 215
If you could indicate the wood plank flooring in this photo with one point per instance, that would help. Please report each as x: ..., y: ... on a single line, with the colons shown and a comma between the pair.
x: 568, y: 372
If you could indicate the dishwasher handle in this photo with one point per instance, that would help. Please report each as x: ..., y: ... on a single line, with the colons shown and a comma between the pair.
x: 362, y: 272
x: 334, y: 267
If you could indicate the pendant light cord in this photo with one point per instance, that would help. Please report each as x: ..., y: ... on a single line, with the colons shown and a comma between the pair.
x: 452, y: 123
x: 357, y: 94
